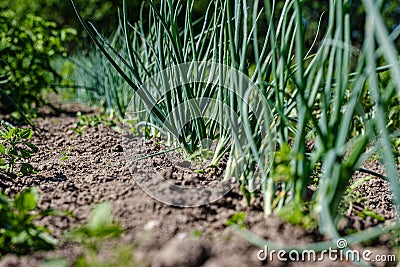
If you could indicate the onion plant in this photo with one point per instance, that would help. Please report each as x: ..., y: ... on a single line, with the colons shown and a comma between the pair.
x: 299, y: 97
x: 96, y: 81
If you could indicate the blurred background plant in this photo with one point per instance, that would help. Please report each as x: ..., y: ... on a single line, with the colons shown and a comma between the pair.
x: 27, y: 46
x: 61, y: 13
x: 97, y: 236
x: 20, y: 234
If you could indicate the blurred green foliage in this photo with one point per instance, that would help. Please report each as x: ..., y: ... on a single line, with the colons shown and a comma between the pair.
x: 19, y: 233
x: 27, y: 46
x: 237, y: 219
x: 103, y: 13
x: 99, y: 228
x: 315, y: 12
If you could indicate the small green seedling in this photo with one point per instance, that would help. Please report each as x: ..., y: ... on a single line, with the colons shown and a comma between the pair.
x: 201, y: 156
x: 15, y: 149
x: 93, y: 121
x: 65, y: 155
x: 353, y: 201
x: 297, y: 213
x: 85, y: 121
x: 95, y: 236
x: 237, y: 219
x: 19, y: 234
x: 98, y: 229
x: 196, y: 233
x: 79, y: 130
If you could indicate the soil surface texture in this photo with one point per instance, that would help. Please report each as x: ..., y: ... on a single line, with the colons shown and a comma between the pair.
x: 160, y: 234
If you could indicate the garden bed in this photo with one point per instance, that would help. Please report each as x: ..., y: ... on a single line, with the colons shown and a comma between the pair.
x: 94, y: 171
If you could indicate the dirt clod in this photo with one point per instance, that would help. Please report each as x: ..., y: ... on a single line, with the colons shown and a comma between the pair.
x: 181, y: 253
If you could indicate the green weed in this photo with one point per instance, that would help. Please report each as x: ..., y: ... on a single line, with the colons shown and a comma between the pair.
x: 99, y: 227
x: 85, y: 121
x: 65, y: 155
x: 352, y: 201
x: 15, y: 149
x: 95, y: 236
x: 237, y: 219
x: 196, y: 233
x: 19, y: 234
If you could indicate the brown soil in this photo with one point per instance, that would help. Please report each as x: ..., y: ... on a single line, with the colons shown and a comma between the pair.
x: 162, y: 235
